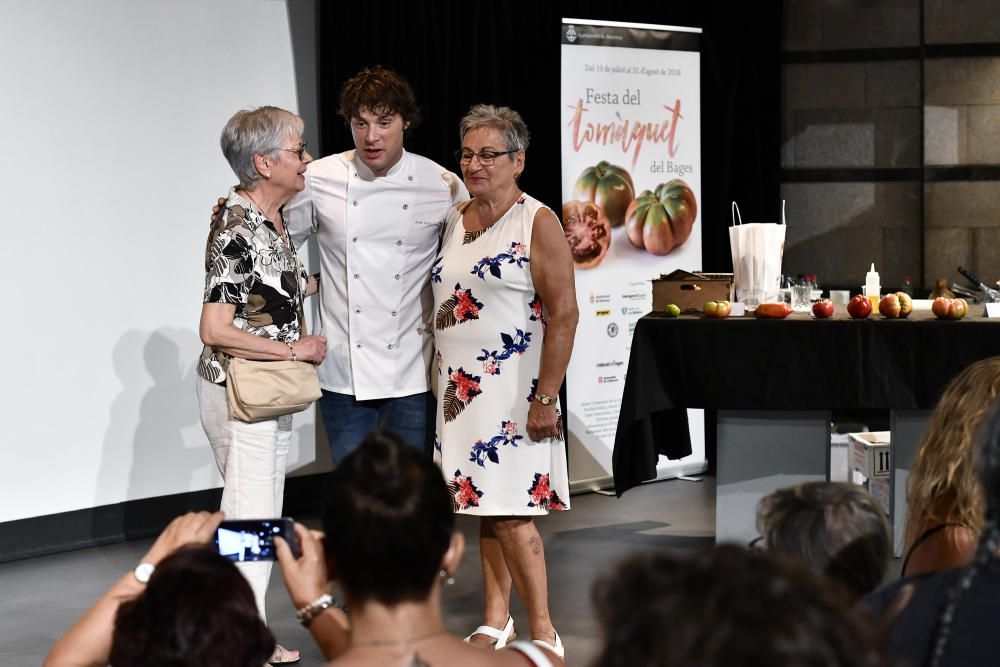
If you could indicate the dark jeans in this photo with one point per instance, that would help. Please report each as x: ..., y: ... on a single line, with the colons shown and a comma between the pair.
x: 348, y: 421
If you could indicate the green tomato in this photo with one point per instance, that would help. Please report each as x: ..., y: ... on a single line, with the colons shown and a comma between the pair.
x: 609, y: 186
x: 671, y: 310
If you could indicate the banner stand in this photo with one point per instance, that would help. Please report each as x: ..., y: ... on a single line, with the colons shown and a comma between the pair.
x: 631, y: 174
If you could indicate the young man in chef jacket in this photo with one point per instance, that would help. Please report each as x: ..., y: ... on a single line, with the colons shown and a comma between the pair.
x: 377, y: 212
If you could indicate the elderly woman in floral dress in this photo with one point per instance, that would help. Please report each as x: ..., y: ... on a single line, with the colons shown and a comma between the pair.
x: 504, y: 327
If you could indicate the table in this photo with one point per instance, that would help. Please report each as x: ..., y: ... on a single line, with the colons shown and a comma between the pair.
x: 774, y: 384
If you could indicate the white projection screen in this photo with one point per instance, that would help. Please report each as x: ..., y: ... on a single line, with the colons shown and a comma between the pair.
x: 111, y: 112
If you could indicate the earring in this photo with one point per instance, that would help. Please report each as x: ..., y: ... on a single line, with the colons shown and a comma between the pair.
x: 447, y: 579
x: 267, y: 175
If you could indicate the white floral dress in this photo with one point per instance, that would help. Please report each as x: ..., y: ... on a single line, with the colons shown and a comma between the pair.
x: 488, y: 329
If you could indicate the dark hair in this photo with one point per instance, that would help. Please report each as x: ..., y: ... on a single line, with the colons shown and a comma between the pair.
x: 196, y: 610
x: 388, y: 521
x: 989, y: 539
x: 833, y: 528
x: 380, y: 91
x: 726, y: 606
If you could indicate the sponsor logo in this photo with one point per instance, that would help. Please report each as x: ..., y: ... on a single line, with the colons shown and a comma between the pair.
x: 609, y: 364
x: 602, y: 313
x: 600, y: 298
x: 631, y: 310
x: 635, y: 295
x: 607, y: 379
x: 613, y: 329
x: 570, y: 34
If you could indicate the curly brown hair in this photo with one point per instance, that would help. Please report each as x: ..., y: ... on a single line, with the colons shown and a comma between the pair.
x: 943, y: 486
x: 380, y: 91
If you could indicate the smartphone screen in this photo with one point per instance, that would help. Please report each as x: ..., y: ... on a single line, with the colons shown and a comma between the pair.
x: 253, y: 539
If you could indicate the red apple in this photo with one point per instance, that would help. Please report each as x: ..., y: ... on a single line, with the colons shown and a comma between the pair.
x: 859, y: 307
x: 889, y: 306
x: 823, y: 309
x: 718, y: 309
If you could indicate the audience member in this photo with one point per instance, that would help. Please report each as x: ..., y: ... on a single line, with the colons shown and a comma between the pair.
x: 945, y: 502
x: 390, y: 539
x: 724, y: 607
x: 833, y: 528
x: 183, y: 606
x: 951, y: 618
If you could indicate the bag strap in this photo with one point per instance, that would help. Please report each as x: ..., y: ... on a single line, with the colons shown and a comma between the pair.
x: 736, y: 214
x: 782, y: 211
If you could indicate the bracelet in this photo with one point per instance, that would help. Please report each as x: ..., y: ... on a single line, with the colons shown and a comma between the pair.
x: 307, y: 614
x: 292, y: 350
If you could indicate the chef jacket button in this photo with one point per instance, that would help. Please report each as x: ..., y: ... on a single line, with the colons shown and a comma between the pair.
x: 394, y: 313
x: 409, y: 178
x: 357, y: 310
x: 355, y: 174
x: 355, y: 202
x: 354, y: 240
x: 406, y: 206
x: 399, y: 242
x: 389, y: 346
x: 396, y: 276
x: 357, y: 275
x: 358, y: 346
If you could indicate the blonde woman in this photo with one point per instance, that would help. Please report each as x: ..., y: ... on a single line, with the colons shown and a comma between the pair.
x: 943, y: 493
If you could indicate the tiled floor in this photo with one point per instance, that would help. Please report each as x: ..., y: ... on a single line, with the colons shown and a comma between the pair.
x: 41, y: 597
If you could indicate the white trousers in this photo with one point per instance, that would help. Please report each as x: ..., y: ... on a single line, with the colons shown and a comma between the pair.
x: 252, y: 459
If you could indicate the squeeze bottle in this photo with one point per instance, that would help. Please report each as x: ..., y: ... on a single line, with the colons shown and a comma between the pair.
x: 872, y: 287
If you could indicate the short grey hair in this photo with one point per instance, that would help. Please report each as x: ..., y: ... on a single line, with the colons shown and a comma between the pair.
x: 252, y: 132
x: 504, y: 119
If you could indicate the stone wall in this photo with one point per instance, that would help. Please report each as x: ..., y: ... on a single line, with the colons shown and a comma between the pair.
x: 867, y: 115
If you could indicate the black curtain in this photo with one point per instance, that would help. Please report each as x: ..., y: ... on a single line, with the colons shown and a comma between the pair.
x: 459, y: 53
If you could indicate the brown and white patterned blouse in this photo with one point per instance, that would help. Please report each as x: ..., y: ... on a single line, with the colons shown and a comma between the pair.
x: 248, y: 264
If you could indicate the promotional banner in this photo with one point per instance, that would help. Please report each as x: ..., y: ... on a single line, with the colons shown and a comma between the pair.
x: 631, y: 170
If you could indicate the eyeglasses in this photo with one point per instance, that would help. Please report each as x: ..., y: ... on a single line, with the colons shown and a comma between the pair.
x: 300, y: 151
x: 486, y: 158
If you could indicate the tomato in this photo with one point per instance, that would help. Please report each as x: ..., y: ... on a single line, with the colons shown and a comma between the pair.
x: 587, y: 231
x: 662, y: 220
x: 895, y: 305
x: 823, y: 309
x: 950, y: 309
x: 672, y: 310
x: 608, y: 186
x: 860, y: 307
x: 718, y: 309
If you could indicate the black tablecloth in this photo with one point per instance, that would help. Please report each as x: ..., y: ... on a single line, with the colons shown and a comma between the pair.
x: 797, y: 363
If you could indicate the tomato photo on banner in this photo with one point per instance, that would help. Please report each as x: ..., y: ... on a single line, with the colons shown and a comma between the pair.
x: 631, y: 183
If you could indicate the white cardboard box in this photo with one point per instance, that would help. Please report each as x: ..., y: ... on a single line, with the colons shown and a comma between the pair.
x: 870, y: 453
x: 869, y: 463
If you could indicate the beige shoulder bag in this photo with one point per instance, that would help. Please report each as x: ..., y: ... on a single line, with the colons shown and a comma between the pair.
x: 262, y: 390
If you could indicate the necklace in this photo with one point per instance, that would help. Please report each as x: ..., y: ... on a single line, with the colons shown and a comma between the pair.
x: 470, y: 236
x: 397, y: 642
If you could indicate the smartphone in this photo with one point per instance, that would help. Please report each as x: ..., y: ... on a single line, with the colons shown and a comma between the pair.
x: 243, y: 540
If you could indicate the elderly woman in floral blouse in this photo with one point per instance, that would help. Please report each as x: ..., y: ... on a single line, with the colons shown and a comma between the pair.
x: 252, y: 307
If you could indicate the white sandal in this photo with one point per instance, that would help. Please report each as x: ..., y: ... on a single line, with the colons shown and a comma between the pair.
x: 503, y: 636
x: 557, y: 649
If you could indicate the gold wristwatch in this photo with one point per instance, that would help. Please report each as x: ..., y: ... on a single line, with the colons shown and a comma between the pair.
x: 543, y: 399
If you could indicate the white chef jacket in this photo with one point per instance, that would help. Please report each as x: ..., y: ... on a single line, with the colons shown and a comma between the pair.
x: 378, y: 238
